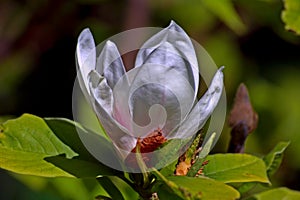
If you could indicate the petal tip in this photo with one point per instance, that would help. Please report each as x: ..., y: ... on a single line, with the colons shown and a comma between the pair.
x: 220, y: 72
x: 221, y: 68
x: 85, y: 33
x: 174, y: 26
x: 86, y: 30
x: 85, y: 40
x: 172, y: 22
x: 109, y: 43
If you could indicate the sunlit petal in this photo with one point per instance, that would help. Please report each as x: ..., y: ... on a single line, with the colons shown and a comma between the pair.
x: 171, y: 48
x: 101, y: 91
x: 109, y: 64
x: 86, y: 58
x: 102, y: 99
x: 156, y: 84
x: 202, y: 110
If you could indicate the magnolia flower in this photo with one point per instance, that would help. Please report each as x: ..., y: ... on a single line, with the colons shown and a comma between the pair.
x: 153, y: 102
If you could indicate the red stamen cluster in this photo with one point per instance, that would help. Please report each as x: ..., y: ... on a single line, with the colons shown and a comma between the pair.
x: 146, y: 145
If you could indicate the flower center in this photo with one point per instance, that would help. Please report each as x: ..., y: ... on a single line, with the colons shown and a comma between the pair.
x: 146, y: 145
x: 151, y: 142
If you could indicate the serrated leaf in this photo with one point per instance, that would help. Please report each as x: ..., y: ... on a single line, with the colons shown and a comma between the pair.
x: 274, y: 158
x: 278, y: 194
x: 291, y: 15
x: 25, y: 142
x: 196, y: 188
x: 230, y: 168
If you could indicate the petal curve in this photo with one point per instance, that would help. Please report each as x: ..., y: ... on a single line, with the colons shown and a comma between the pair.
x: 171, y: 47
x: 102, y: 98
x: 202, y: 110
x: 110, y: 64
x: 86, y: 58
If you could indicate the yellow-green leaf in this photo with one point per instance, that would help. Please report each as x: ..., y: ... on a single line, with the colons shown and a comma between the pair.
x: 195, y: 188
x: 25, y: 142
x: 291, y: 15
x: 274, y: 158
x: 279, y: 194
x: 224, y: 10
x: 230, y: 168
x: 51, y: 148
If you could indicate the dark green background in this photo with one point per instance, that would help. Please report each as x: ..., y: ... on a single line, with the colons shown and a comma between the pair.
x: 37, y: 68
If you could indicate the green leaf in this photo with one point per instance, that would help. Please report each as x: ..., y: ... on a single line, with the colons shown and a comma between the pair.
x: 195, y: 188
x: 274, y: 158
x: 225, y: 11
x: 165, y: 192
x: 101, y: 197
x: 207, y: 146
x: 84, y: 165
x: 5, y: 118
x: 272, y: 161
x: 110, y: 188
x: 172, y: 149
x: 291, y: 15
x: 66, y: 131
x: 170, y: 169
x: 81, y: 168
x: 278, y: 194
x: 29, y: 146
x: 230, y: 168
x: 25, y: 142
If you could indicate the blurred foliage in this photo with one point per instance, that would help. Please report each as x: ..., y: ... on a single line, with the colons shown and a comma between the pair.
x: 278, y: 194
x: 58, y: 188
x: 37, y: 67
x: 291, y: 15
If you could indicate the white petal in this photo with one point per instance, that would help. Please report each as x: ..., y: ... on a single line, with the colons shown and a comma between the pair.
x: 109, y: 64
x: 101, y: 91
x: 102, y: 98
x: 86, y: 58
x: 202, y: 110
x: 172, y: 48
x: 151, y: 85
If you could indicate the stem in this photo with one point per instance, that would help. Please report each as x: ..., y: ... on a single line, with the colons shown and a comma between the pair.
x: 144, y: 190
x: 169, y: 183
x: 239, y: 135
x: 131, y: 184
